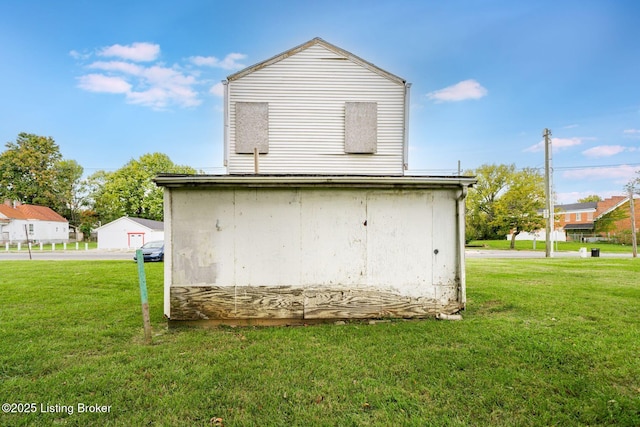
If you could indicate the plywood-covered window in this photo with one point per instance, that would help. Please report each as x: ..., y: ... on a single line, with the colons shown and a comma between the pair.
x: 252, y: 127
x: 360, y: 127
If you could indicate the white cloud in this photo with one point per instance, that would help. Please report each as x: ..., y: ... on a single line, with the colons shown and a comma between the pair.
x: 605, y: 150
x: 632, y: 133
x: 153, y: 85
x: 230, y: 62
x: 467, y: 89
x: 77, y: 55
x: 557, y: 144
x: 102, y: 83
x: 118, y: 66
x: 619, y: 174
x: 217, y: 90
x: 574, y: 196
x: 139, y: 52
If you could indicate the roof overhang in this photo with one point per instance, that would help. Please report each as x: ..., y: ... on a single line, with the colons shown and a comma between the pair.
x: 583, y: 226
x: 319, y: 181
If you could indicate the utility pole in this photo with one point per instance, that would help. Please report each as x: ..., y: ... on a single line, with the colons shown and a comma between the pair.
x: 632, y: 211
x: 548, y: 193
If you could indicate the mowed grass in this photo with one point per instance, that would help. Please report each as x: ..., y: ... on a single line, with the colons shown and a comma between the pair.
x: 540, y: 245
x: 543, y: 342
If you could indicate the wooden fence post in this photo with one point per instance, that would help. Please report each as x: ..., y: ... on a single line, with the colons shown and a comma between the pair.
x: 143, y: 297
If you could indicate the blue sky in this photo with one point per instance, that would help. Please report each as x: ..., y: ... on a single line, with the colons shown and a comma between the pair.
x: 112, y: 80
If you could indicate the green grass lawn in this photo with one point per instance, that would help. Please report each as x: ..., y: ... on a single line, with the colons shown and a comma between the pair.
x: 541, y: 246
x: 543, y: 342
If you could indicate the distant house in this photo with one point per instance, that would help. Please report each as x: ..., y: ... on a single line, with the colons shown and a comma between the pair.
x: 316, y: 219
x: 579, y: 221
x: 19, y: 223
x: 129, y: 233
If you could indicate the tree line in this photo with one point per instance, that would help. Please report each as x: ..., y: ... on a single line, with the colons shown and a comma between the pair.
x: 506, y: 201
x: 33, y: 171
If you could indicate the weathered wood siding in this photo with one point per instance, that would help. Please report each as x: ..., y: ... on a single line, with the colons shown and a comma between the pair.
x: 306, y: 95
x: 308, y: 253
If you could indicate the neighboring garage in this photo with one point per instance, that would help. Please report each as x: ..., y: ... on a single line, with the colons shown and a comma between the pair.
x: 129, y: 233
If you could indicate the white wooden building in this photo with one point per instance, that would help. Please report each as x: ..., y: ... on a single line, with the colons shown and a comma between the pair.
x: 316, y: 219
x: 33, y: 223
x: 316, y: 109
x: 129, y: 233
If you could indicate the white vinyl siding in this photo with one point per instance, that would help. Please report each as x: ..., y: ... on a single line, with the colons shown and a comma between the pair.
x: 307, y: 93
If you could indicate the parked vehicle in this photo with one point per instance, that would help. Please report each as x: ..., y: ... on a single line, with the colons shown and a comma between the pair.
x: 152, y: 251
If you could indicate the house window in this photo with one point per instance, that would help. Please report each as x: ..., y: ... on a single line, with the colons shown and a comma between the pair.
x: 360, y: 127
x: 30, y: 228
x: 567, y: 217
x: 578, y: 216
x: 589, y: 216
x: 252, y: 127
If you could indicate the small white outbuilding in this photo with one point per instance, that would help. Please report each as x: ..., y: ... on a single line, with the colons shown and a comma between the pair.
x: 316, y: 219
x: 129, y: 233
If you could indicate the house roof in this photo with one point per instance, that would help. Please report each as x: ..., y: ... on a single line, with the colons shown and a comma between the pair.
x: 572, y: 207
x: 147, y: 223
x: 317, y: 41
x: 318, y: 181
x: 10, y: 212
x: 31, y: 212
x: 612, y: 204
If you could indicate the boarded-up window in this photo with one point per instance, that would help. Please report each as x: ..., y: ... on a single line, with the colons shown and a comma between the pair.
x: 252, y: 127
x: 360, y: 127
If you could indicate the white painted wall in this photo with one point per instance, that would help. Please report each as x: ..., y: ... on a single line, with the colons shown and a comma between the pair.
x: 43, y: 231
x: 124, y: 233
x: 541, y: 236
x: 306, y: 93
x: 336, y: 238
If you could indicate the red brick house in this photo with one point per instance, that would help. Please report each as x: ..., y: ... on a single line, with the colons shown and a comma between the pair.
x: 609, y: 219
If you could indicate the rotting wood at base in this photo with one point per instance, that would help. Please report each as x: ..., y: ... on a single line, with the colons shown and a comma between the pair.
x: 272, y: 304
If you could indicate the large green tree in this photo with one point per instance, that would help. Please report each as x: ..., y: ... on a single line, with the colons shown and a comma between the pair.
x: 70, y: 190
x: 517, y: 210
x: 590, y: 198
x: 130, y: 190
x: 493, y: 181
x: 29, y: 170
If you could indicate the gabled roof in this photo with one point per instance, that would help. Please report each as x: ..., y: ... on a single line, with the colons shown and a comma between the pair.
x: 317, y: 41
x: 31, y: 212
x: 147, y: 223
x: 10, y: 212
x: 618, y: 201
x: 41, y: 213
x: 572, y: 207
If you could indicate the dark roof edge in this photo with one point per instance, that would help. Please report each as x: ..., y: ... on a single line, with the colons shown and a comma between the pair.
x: 313, y: 181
